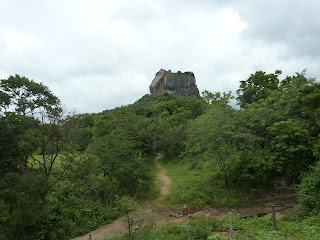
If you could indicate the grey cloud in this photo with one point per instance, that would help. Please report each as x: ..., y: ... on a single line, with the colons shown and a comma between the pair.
x: 97, y: 55
x: 294, y: 23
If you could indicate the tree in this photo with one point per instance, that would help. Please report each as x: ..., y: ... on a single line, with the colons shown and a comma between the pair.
x: 285, y: 123
x: 83, y: 129
x: 216, y: 98
x: 217, y: 137
x: 256, y: 87
x: 33, y: 133
x: 28, y: 98
x: 292, y: 147
x: 31, y: 107
x: 121, y: 143
x: 15, y: 144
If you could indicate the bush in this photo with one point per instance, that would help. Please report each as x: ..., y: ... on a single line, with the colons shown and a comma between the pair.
x: 309, y: 191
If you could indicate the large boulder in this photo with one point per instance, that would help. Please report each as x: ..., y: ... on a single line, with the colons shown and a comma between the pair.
x: 182, y: 84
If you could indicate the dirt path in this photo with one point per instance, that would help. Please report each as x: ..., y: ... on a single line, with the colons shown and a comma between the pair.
x: 104, y: 232
x: 152, y: 215
x: 163, y: 177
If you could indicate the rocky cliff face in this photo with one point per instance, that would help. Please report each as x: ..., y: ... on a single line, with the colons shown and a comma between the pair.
x: 183, y: 84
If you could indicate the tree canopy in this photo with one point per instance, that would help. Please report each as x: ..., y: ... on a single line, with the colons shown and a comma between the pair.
x: 78, y: 172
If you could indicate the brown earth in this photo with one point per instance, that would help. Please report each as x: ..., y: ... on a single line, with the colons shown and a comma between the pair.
x: 150, y: 214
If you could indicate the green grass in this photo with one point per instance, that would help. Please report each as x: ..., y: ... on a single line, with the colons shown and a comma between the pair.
x: 287, y: 227
x: 35, y: 164
x: 197, y: 229
x: 196, y: 187
x: 157, y: 184
x: 255, y: 228
x: 154, y: 191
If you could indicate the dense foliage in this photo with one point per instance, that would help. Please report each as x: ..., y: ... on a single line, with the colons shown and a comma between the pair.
x: 274, y: 134
x: 272, y: 138
x: 78, y: 172
x: 309, y: 191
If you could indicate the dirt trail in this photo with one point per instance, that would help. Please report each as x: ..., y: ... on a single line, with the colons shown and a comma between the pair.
x: 153, y: 215
x: 163, y: 177
x: 104, y: 232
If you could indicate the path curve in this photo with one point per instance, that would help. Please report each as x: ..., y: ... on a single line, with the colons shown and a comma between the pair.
x: 155, y: 215
x: 117, y: 227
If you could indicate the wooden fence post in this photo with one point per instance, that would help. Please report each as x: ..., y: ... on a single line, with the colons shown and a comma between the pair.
x: 274, y: 218
x: 90, y: 236
x: 188, y: 236
x: 230, y: 225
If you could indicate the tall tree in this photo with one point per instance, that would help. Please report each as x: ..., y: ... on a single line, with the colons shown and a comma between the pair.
x: 28, y: 98
x: 218, y: 137
x: 286, y: 125
x: 33, y: 132
x: 257, y: 86
x: 32, y: 107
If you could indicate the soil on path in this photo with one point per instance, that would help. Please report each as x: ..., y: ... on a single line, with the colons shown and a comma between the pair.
x: 153, y: 215
x: 147, y: 210
x: 163, y: 177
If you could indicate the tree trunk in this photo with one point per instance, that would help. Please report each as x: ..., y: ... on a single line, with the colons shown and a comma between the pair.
x: 226, y: 179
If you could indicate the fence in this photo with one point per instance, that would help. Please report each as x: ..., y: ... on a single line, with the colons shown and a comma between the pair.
x: 230, y: 231
x: 256, y: 194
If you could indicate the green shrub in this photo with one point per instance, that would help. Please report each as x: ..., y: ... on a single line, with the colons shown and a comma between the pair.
x: 309, y: 191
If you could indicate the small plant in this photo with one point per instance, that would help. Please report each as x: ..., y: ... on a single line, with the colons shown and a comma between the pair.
x: 214, y: 236
x: 128, y: 205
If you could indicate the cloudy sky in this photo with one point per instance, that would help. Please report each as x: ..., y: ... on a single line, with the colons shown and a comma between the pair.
x: 101, y: 54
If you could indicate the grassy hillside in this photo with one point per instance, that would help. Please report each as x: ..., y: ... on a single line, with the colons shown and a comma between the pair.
x: 196, y: 187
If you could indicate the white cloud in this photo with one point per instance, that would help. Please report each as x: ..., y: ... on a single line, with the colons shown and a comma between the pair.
x: 93, y: 93
x: 16, y: 41
x: 97, y: 55
x: 230, y: 25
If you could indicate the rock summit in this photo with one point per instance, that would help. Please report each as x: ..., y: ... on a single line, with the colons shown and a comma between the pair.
x: 182, y: 84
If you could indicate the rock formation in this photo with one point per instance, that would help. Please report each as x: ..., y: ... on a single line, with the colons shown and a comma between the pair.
x: 182, y: 84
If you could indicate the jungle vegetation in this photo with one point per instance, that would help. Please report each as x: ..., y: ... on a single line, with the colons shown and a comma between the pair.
x: 63, y: 175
